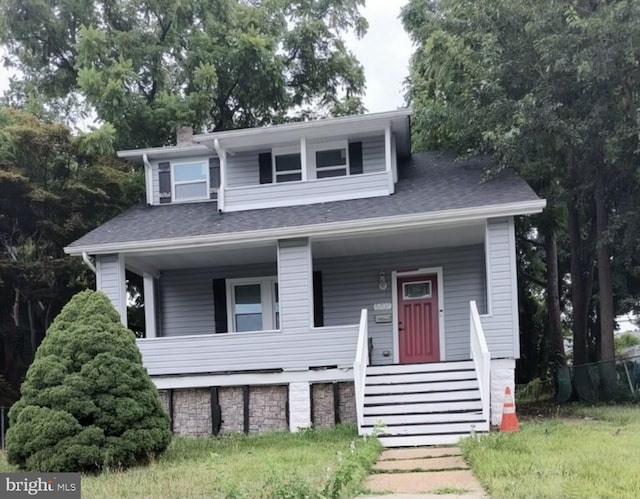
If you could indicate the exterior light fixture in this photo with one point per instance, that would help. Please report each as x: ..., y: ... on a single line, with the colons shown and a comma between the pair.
x: 382, y: 281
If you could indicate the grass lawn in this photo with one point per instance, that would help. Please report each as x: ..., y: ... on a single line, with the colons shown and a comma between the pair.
x: 585, y: 452
x: 316, y: 463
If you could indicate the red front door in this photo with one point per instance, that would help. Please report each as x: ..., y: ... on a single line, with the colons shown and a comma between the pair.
x: 418, y: 313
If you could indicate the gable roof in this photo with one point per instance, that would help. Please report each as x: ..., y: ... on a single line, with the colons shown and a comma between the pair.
x: 431, y: 187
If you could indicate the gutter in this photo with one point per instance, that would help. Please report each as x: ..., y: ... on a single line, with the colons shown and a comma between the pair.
x: 397, y: 222
x: 147, y: 179
x: 87, y: 261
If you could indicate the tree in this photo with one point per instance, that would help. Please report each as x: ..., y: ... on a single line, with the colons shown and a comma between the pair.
x: 54, y: 187
x: 87, y: 402
x: 147, y: 66
x: 550, y: 89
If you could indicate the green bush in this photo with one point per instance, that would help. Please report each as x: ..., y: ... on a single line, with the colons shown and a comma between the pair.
x: 87, y: 403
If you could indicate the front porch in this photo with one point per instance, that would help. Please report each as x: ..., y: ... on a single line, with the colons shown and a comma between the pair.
x: 294, y: 311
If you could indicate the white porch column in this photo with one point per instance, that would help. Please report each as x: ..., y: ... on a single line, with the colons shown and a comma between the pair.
x: 149, y: 305
x: 295, y: 286
x: 110, y: 279
x: 388, y: 157
x: 502, y: 375
x: 299, y: 406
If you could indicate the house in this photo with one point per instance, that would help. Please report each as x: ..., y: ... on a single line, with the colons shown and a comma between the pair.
x: 318, y: 272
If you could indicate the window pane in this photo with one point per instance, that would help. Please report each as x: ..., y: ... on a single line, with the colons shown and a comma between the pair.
x: 288, y: 162
x: 192, y: 191
x: 276, y: 305
x: 248, y: 322
x: 331, y: 157
x: 289, y: 177
x: 340, y: 172
x: 191, y: 171
x: 248, y: 307
x: 417, y: 290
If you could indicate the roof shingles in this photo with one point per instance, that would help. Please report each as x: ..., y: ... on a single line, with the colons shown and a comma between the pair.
x: 428, y: 182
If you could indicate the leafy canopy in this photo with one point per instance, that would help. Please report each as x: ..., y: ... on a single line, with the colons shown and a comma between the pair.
x: 146, y: 66
x: 87, y: 402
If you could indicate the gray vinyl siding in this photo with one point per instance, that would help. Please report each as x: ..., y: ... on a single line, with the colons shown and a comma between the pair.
x: 110, y: 281
x: 350, y: 284
x: 186, y: 296
x: 373, y: 157
x: 313, y: 191
x: 295, y: 286
x: 188, y: 309
x: 242, y: 168
x: 499, y: 327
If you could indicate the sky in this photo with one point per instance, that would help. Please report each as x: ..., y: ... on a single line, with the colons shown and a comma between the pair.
x: 384, y: 52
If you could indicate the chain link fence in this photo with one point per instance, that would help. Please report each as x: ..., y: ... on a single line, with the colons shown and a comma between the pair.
x: 617, y: 380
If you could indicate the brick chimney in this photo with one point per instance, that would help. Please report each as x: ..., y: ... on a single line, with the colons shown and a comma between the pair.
x: 184, y: 135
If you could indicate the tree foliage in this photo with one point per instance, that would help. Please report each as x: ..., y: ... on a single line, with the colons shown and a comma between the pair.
x: 54, y: 188
x: 551, y: 89
x: 87, y: 402
x: 147, y: 66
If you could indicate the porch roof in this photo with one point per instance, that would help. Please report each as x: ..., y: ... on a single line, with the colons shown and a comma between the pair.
x: 429, y: 186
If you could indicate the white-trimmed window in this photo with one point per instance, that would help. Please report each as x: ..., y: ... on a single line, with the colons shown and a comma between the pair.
x: 330, y: 159
x: 190, y: 181
x: 287, y: 164
x: 253, y: 304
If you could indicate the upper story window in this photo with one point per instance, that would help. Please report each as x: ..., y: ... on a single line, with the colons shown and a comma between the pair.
x: 331, y: 160
x: 190, y: 181
x: 324, y: 160
x: 287, y: 165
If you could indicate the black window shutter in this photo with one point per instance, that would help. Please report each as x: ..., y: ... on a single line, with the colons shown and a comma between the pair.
x: 264, y: 161
x: 355, y: 158
x: 220, y: 305
x: 318, y: 305
x: 164, y: 179
x: 214, y: 177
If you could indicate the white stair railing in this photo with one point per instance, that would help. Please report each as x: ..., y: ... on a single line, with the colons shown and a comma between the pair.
x: 360, y: 367
x: 481, y: 358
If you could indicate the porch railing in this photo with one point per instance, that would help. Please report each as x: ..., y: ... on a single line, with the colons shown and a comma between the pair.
x: 360, y: 367
x: 481, y: 358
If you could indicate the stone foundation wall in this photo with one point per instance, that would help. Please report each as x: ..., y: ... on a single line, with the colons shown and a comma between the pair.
x: 192, y: 412
x: 323, y: 404
x: 348, y: 403
x: 322, y: 396
x: 268, y: 408
x: 164, y: 400
x: 232, y: 408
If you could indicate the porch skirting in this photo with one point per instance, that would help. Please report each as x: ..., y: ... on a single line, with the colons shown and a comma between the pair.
x: 258, y: 408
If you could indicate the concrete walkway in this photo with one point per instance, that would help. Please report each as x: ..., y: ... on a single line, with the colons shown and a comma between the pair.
x: 423, y: 473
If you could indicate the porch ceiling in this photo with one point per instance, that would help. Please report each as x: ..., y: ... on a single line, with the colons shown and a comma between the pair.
x: 372, y: 242
x: 401, y: 240
x: 153, y: 262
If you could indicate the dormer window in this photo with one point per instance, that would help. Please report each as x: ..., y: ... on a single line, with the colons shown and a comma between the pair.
x: 331, y: 159
x: 287, y: 165
x: 190, y: 181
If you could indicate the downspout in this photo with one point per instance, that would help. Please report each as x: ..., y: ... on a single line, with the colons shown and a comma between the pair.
x: 87, y: 261
x: 148, y: 186
x: 223, y: 173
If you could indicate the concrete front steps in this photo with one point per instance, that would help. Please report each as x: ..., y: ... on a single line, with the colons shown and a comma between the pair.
x: 423, y: 404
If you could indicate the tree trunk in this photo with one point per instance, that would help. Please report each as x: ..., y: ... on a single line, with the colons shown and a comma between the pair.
x: 578, y: 295
x: 605, y: 288
x: 554, y: 339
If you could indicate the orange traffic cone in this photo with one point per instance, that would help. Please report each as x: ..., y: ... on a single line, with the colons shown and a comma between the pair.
x: 509, y: 419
